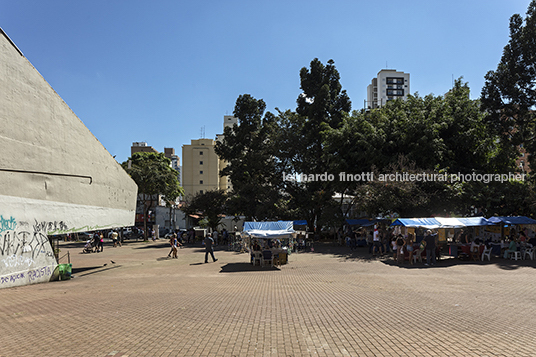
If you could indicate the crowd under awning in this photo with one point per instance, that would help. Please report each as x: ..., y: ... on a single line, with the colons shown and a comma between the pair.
x: 450, y: 222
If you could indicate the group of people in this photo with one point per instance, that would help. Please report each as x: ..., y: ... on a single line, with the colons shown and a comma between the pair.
x: 175, y: 244
x: 518, y: 242
x: 380, y: 242
x: 401, y: 244
x: 96, y: 243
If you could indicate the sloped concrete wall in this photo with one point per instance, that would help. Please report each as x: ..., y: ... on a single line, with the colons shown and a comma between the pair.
x: 55, y: 176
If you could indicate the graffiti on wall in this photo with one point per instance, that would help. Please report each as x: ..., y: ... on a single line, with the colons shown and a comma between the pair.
x: 23, y: 247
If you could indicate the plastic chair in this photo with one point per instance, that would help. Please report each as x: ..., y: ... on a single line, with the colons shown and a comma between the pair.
x: 267, y: 258
x: 486, y: 253
x: 516, y: 254
x: 530, y: 253
x: 257, y: 257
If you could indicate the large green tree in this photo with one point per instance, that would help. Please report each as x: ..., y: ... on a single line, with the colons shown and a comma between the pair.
x: 249, y: 151
x: 509, y: 92
x: 154, y: 176
x: 321, y: 106
x: 428, y: 135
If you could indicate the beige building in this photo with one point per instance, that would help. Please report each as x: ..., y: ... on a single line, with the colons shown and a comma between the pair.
x: 141, y: 146
x: 201, y: 166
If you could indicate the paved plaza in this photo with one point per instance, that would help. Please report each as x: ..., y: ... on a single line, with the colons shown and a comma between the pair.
x: 134, y: 301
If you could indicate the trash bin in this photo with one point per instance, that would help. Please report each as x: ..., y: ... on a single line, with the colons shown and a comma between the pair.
x: 65, y: 271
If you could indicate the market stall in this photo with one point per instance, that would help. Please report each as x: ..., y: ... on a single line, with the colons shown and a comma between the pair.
x: 277, y: 238
x: 456, y: 234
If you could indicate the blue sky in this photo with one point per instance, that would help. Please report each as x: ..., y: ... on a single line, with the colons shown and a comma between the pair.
x: 160, y: 71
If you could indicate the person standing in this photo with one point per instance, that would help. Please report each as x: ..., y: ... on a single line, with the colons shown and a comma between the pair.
x: 209, y: 242
x: 430, y: 240
x: 225, y: 236
x: 115, y: 239
x: 100, y: 247
x: 409, y: 247
x: 377, y: 245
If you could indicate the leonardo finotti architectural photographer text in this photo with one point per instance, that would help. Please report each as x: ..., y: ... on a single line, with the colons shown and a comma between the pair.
x: 405, y: 177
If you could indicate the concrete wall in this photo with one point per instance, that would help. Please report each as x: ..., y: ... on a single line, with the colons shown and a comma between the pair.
x: 55, y: 176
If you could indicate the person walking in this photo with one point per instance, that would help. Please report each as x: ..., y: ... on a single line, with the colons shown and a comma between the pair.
x: 215, y: 237
x: 175, y: 244
x: 209, y: 242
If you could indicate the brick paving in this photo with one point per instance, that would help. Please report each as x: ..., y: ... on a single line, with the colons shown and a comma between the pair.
x: 331, y: 302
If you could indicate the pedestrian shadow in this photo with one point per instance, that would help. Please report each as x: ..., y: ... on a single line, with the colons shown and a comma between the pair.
x: 197, y: 263
x: 244, y: 267
x: 154, y: 246
x: 163, y: 258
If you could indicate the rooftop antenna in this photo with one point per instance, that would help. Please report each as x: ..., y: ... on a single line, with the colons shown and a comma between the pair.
x: 203, y: 132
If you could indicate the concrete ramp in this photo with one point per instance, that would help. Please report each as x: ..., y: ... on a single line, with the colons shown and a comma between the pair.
x: 55, y: 176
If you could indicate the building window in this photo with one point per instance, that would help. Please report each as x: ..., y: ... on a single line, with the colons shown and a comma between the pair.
x: 200, y: 172
x: 201, y: 191
x: 200, y: 162
x: 200, y: 153
x: 200, y: 182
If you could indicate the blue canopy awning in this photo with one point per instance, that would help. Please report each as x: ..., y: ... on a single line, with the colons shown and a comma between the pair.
x: 301, y: 222
x: 512, y: 220
x: 269, y: 230
x: 440, y: 222
x: 430, y: 223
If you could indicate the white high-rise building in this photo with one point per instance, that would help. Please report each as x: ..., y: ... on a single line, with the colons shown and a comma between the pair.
x: 388, y: 85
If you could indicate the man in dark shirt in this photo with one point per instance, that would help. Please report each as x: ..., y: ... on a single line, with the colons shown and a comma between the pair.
x: 209, y: 242
x: 430, y: 240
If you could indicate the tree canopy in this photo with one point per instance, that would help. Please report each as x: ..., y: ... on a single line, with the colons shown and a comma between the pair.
x: 154, y: 176
x: 444, y: 135
x: 509, y: 92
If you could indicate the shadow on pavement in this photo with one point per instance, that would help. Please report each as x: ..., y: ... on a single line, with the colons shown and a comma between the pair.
x: 92, y: 270
x: 362, y: 254
x: 241, y: 267
x: 154, y: 246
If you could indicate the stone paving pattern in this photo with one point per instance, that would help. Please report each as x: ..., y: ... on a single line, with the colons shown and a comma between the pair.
x: 331, y: 302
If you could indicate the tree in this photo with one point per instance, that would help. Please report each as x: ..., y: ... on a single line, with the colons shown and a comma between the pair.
x: 153, y: 174
x: 321, y: 106
x: 248, y: 148
x: 209, y: 205
x: 427, y: 135
x: 509, y: 92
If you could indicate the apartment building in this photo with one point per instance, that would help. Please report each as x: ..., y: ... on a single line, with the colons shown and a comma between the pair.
x: 388, y: 85
x: 201, y: 166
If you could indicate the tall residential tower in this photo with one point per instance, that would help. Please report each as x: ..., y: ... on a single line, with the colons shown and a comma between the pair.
x: 388, y: 85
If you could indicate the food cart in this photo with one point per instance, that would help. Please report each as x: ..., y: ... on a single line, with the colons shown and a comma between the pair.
x: 278, y: 237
